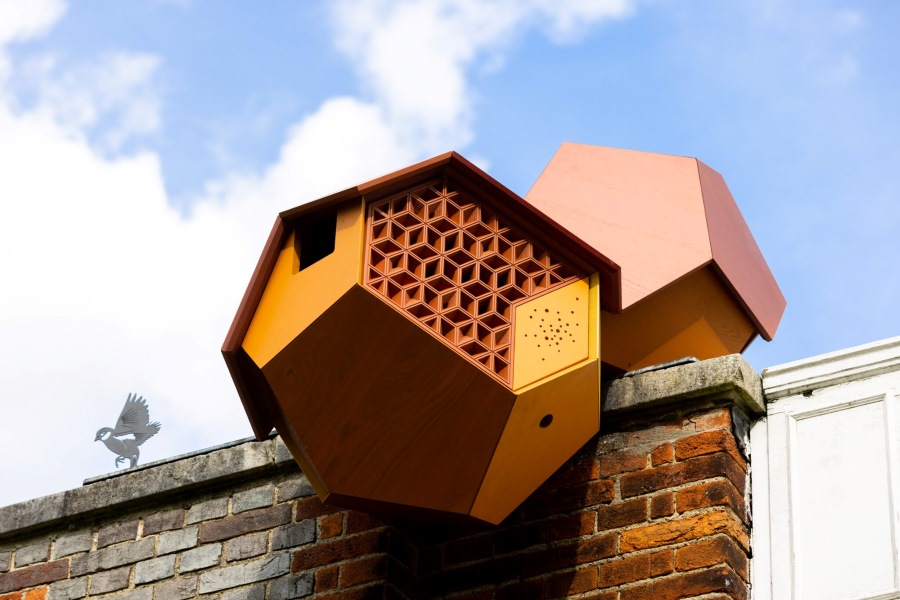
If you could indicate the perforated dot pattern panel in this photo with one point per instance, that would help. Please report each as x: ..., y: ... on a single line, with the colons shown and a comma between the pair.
x: 450, y: 262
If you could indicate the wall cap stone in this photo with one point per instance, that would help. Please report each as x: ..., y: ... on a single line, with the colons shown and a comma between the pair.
x: 148, y: 485
x: 728, y: 377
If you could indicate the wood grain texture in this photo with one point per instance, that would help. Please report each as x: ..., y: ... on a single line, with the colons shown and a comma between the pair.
x: 697, y: 316
x: 386, y: 413
x: 531, y: 448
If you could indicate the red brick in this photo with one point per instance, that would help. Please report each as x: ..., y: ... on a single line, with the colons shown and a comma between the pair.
x: 565, y: 556
x: 622, y: 514
x: 682, y: 530
x: 469, y: 549
x: 331, y: 526
x: 685, y: 585
x: 366, y: 570
x: 339, y: 549
x: 662, y: 563
x: 163, y: 521
x: 568, y: 526
x: 311, y: 507
x: 253, y: 520
x: 532, y: 589
x: 719, y: 418
x: 664, y: 453
x: 373, y: 592
x: 482, y: 595
x: 546, y: 503
x: 563, y: 584
x: 34, y: 576
x: 621, y: 462
x: 38, y: 594
x: 718, y: 492
x: 694, y: 469
x: 518, y: 538
x: 625, y: 570
x: 360, y: 521
x: 662, y: 505
x: 709, y: 442
x: 573, y: 473
x: 327, y: 578
x: 714, y: 551
x: 601, y: 595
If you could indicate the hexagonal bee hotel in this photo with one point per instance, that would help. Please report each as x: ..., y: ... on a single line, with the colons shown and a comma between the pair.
x: 427, y: 343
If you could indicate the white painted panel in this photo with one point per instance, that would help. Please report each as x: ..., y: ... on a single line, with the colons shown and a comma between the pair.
x: 841, y: 505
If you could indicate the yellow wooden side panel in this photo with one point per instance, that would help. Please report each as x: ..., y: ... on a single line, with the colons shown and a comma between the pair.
x: 697, y: 316
x: 547, y: 426
x: 293, y: 299
x: 552, y: 332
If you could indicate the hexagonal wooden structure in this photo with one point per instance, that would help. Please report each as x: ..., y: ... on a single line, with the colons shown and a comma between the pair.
x: 694, y: 282
x: 425, y: 343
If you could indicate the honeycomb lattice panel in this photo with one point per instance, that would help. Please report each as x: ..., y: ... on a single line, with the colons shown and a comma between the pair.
x: 448, y: 261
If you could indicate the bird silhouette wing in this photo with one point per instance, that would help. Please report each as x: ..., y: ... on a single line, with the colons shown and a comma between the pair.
x: 142, y: 434
x: 135, y: 416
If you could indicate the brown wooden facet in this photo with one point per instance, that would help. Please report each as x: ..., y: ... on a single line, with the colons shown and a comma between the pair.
x: 386, y: 413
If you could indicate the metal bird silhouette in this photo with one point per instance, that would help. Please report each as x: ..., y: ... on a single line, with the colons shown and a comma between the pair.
x: 135, y: 422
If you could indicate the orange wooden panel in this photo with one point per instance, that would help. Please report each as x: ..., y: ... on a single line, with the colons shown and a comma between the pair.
x: 696, y: 316
x: 385, y: 412
x: 547, y: 426
x: 645, y: 211
x: 552, y: 332
x: 293, y: 299
x: 737, y: 255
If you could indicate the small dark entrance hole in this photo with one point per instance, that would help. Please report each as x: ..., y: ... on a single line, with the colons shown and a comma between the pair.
x: 315, y: 238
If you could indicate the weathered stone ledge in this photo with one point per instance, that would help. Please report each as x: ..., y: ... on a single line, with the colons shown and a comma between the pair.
x: 151, y: 484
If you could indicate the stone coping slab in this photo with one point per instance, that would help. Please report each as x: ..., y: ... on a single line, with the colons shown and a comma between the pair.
x: 729, y: 377
x: 149, y: 484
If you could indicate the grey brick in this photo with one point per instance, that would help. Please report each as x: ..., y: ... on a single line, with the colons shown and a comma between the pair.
x: 180, y: 539
x: 68, y: 589
x: 110, y: 581
x: 295, y: 488
x: 246, y: 547
x: 254, y: 592
x: 292, y: 586
x: 200, y: 558
x: 164, y: 521
x: 114, y: 556
x: 72, y: 543
x: 204, y: 511
x: 253, y: 498
x: 117, y: 532
x: 154, y: 569
x: 4, y: 561
x: 295, y: 534
x: 177, y: 589
x: 32, y: 553
x: 145, y: 593
x: 238, y: 575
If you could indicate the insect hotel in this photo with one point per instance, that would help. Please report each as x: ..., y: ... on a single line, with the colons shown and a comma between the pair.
x: 431, y: 344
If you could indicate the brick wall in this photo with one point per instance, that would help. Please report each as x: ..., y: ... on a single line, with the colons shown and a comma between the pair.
x: 654, y: 507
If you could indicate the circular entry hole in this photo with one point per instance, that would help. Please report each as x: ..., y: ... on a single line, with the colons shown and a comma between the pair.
x: 545, y: 422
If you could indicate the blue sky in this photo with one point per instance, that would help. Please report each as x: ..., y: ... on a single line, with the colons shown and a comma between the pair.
x: 145, y: 148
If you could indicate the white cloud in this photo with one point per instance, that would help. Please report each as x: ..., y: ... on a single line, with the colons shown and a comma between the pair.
x: 109, y: 290
x: 414, y: 56
x: 114, y: 97
x: 21, y: 21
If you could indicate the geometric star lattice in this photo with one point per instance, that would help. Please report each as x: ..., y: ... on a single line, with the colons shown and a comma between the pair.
x: 447, y: 260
